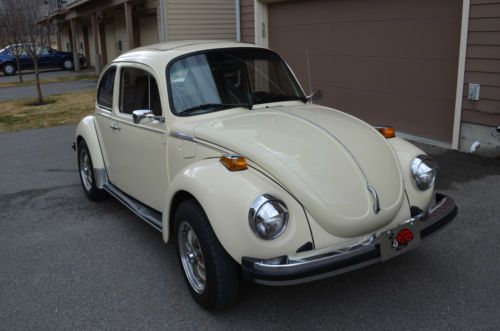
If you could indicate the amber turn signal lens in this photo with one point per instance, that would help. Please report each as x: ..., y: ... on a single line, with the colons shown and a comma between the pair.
x: 387, y: 131
x: 234, y: 162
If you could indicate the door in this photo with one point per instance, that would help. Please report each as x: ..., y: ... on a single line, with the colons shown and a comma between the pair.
x: 109, y: 33
x: 135, y: 154
x: 148, y: 30
x: 47, y: 58
x: 387, y: 62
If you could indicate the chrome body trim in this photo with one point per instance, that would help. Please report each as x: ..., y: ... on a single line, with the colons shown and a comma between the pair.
x: 147, y: 214
x: 287, y: 270
x: 181, y: 135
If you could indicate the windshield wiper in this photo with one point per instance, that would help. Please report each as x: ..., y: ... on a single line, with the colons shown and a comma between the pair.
x: 211, y: 106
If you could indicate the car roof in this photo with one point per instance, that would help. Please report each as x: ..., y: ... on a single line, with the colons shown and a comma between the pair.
x: 162, y: 53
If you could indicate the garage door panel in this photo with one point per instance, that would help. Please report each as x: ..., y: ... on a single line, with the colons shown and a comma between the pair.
x: 411, y: 77
x: 321, y: 11
x: 404, y: 113
x: 389, y: 39
x: 397, y: 57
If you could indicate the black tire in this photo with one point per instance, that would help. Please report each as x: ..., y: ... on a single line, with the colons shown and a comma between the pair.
x: 86, y: 172
x: 9, y: 69
x: 221, y: 271
x: 67, y: 64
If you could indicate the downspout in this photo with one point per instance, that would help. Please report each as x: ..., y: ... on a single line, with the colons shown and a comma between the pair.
x: 461, y: 73
x: 238, y: 21
x: 162, y: 22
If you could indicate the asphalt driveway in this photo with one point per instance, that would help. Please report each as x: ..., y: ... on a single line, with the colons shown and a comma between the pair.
x: 29, y: 91
x: 23, y: 92
x: 68, y: 263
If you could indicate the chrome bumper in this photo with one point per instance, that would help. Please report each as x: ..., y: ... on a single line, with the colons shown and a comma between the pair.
x: 286, y: 271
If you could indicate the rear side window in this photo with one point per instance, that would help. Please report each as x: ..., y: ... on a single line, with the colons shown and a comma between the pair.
x: 138, y: 90
x: 105, y: 91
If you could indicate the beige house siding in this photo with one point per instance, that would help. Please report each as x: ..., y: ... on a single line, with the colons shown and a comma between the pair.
x: 198, y: 19
x: 247, y: 19
x: 483, y: 63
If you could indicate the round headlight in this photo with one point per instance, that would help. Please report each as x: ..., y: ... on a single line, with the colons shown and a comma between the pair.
x: 424, y: 171
x: 268, y: 217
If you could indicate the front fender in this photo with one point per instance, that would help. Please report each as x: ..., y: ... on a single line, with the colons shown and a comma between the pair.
x: 226, y: 198
x: 406, y: 152
x: 86, y: 130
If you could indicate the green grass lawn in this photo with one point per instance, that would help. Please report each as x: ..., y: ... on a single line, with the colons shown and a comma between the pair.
x: 58, y: 110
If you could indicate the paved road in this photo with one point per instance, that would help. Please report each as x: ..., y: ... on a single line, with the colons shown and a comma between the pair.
x: 67, y: 263
x: 45, y: 74
x: 23, y: 92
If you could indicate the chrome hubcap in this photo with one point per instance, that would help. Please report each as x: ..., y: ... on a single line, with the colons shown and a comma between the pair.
x: 9, y: 69
x: 85, y: 170
x: 68, y: 64
x: 192, y: 258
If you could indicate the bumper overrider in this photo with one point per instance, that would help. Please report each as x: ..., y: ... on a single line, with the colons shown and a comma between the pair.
x: 283, y: 270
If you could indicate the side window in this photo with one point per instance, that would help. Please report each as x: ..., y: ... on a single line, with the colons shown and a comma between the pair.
x: 105, y: 91
x: 138, y: 90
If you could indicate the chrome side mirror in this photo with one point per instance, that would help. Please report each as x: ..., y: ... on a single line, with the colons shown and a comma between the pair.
x: 315, y: 95
x: 139, y: 115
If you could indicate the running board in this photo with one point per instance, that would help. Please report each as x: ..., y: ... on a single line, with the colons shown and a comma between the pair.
x: 147, y: 214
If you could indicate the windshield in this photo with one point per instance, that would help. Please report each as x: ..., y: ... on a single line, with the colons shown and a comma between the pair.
x: 228, y: 78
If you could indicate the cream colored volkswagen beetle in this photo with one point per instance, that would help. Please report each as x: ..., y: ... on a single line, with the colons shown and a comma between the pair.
x: 216, y: 145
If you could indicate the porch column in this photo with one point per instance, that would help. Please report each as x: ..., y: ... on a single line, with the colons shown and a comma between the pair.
x: 58, y: 37
x: 74, y: 46
x: 97, y: 37
x: 130, y: 24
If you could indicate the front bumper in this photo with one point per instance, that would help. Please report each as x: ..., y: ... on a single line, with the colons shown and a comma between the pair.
x: 286, y: 271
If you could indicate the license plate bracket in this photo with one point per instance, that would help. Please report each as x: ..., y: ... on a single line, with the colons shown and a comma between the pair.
x: 398, y: 240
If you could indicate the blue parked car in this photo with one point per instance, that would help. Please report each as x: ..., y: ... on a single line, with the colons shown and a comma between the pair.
x: 48, y: 58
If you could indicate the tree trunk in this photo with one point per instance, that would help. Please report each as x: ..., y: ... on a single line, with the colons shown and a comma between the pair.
x: 37, y: 80
x: 18, y: 64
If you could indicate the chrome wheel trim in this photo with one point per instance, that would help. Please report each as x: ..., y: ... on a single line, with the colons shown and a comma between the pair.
x: 9, y: 69
x: 192, y: 258
x: 86, y: 170
x: 68, y: 64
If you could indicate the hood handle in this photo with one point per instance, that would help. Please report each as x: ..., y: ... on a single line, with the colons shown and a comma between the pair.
x: 376, y: 202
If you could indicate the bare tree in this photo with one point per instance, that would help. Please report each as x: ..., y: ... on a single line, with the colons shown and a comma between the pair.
x: 22, y: 22
x: 12, y: 30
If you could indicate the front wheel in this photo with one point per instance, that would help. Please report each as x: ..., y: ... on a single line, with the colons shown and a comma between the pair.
x: 9, y: 69
x: 67, y: 64
x: 210, y: 273
x: 87, y: 177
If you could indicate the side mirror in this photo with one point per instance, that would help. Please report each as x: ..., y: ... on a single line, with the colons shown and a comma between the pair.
x: 315, y: 95
x: 139, y: 115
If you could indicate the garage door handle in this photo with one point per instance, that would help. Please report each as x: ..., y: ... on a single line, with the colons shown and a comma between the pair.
x: 114, y: 126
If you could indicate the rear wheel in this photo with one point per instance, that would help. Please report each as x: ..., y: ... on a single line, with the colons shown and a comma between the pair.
x: 210, y: 273
x: 87, y: 177
x: 67, y: 64
x: 9, y: 69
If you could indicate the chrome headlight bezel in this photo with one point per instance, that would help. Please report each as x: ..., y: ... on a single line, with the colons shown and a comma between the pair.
x: 423, y: 172
x: 265, y: 208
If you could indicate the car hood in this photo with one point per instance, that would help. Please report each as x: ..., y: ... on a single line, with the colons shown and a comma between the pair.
x: 339, y: 168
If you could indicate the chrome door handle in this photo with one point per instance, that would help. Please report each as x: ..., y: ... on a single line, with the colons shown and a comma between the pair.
x: 115, y: 126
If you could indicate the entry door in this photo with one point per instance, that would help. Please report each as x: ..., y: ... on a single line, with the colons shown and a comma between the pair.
x: 136, y: 153
x: 148, y: 30
x: 109, y: 33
